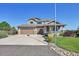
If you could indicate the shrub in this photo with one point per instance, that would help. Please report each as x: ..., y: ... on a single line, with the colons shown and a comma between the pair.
x: 12, y: 32
x: 61, y: 34
x: 3, y: 34
x: 69, y: 34
x: 77, y: 33
x: 50, y: 37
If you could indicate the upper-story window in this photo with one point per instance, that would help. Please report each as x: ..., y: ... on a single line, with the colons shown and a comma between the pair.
x: 31, y: 22
x: 39, y: 22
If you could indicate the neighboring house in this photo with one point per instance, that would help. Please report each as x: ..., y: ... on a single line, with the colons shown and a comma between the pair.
x: 39, y: 26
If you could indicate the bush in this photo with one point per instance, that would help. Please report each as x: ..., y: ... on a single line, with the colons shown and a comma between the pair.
x: 77, y: 33
x: 12, y: 32
x: 69, y: 34
x: 50, y: 37
x: 3, y: 34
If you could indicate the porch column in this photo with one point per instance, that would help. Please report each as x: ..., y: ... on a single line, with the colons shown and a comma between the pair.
x: 19, y: 31
x: 50, y: 29
x: 35, y: 30
x: 61, y: 28
x: 45, y: 29
x: 57, y: 28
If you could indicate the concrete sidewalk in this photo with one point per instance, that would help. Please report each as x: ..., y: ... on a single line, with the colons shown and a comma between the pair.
x: 23, y: 40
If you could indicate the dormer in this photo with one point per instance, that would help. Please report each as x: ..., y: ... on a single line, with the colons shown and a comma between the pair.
x: 38, y: 21
x: 34, y: 21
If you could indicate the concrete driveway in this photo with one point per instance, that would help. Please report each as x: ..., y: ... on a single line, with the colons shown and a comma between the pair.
x: 23, y: 40
x: 26, y: 50
x: 23, y: 45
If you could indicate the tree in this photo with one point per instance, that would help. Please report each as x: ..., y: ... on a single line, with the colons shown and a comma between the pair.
x: 5, y: 26
x: 78, y: 28
x: 13, y: 28
x: 13, y: 31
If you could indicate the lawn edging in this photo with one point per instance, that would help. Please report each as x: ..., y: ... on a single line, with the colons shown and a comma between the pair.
x: 61, y: 51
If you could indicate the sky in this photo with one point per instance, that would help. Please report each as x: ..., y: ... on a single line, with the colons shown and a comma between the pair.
x: 19, y: 13
x: 68, y: 14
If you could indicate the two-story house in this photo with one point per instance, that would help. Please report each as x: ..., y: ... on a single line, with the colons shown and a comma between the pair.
x: 39, y: 26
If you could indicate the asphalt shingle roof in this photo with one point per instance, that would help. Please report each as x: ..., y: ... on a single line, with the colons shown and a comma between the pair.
x: 51, y: 23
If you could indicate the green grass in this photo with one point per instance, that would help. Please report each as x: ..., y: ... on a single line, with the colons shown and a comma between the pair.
x: 68, y: 43
x: 3, y: 34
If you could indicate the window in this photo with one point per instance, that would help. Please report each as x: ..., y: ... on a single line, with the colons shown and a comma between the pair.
x: 31, y: 22
x: 39, y: 22
x: 27, y: 28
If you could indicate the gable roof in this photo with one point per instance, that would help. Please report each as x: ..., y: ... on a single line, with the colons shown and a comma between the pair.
x: 51, y: 23
x: 35, y: 19
x: 38, y: 25
x: 43, y: 20
x: 40, y: 20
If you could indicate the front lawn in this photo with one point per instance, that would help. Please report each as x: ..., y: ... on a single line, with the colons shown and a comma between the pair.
x: 3, y: 34
x: 68, y: 43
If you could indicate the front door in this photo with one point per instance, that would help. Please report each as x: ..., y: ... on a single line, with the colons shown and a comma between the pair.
x: 41, y: 31
x: 47, y: 28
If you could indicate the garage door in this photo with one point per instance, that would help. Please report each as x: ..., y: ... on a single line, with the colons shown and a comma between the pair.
x: 26, y: 31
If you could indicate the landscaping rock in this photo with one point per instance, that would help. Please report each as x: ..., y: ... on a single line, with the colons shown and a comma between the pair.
x: 61, y: 51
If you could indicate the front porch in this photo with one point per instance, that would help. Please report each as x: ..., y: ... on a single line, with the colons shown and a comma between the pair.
x: 39, y: 29
x: 49, y: 29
